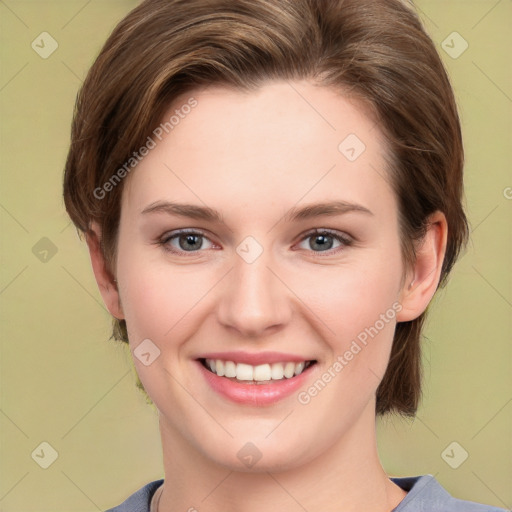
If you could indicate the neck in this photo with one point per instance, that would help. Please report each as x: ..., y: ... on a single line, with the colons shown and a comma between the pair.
x: 347, y: 476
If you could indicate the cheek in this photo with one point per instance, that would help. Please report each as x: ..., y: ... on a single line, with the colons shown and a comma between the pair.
x: 357, y: 307
x: 159, y: 299
x: 350, y: 298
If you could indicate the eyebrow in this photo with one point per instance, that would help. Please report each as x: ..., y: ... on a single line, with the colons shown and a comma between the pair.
x: 206, y: 213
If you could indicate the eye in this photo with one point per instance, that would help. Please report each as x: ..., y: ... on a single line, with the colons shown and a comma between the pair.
x: 184, y: 241
x: 323, y: 240
x: 190, y: 241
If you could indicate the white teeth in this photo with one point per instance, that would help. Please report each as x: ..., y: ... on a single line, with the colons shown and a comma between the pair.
x: 259, y: 373
x: 277, y: 372
x: 289, y: 370
x: 244, y: 371
x: 262, y: 372
x: 229, y: 369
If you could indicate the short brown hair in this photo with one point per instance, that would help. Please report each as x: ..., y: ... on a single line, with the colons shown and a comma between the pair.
x: 376, y: 50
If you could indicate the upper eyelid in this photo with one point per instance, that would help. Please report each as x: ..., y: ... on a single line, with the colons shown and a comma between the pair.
x: 167, y: 236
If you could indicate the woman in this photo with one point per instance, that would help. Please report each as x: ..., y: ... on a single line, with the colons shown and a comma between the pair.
x: 270, y: 191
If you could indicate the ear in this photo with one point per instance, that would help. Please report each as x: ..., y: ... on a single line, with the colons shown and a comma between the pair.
x: 423, y: 278
x: 106, y: 282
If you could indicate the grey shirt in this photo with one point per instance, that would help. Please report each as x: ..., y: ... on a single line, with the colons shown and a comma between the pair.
x: 424, y: 494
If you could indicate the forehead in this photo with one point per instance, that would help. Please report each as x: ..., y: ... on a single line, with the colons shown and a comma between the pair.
x: 281, y: 143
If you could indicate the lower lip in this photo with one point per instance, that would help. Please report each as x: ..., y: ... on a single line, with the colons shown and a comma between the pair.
x: 254, y: 394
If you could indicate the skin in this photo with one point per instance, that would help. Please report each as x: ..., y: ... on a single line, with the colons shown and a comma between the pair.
x: 253, y: 156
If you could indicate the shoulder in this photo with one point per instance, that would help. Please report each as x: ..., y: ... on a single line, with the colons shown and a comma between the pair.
x: 139, y: 501
x: 425, y: 494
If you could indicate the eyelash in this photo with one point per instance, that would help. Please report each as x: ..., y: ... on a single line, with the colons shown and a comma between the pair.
x: 345, y: 240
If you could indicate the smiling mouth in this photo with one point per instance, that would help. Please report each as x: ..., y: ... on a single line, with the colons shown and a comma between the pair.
x: 259, y: 374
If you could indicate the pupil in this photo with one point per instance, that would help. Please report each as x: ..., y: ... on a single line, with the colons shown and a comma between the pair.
x: 325, y: 245
x: 190, y: 240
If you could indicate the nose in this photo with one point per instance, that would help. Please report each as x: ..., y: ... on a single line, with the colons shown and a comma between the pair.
x: 254, y: 300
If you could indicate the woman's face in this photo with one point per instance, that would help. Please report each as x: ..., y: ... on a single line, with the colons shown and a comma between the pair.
x: 256, y: 286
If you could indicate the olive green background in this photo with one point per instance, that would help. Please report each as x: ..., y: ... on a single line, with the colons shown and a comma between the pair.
x: 63, y: 382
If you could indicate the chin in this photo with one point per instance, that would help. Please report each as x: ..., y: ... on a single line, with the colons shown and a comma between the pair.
x: 262, y: 456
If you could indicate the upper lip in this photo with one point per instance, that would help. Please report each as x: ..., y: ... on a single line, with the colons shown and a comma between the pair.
x: 255, y: 358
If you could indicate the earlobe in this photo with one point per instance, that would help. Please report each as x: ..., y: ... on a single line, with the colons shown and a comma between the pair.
x: 424, y: 276
x: 106, y: 282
